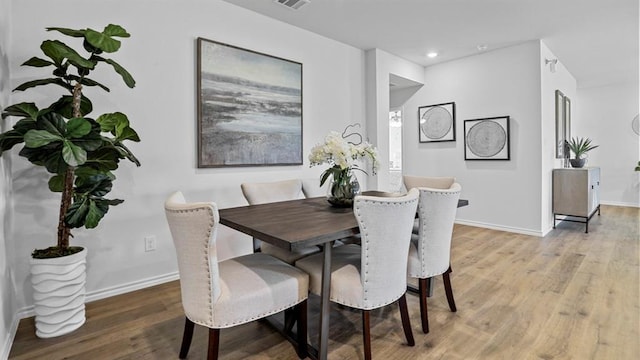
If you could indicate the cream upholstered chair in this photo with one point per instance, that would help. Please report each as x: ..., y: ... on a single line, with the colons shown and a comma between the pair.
x: 373, y: 275
x: 311, y: 188
x: 443, y: 182
x: 223, y: 294
x: 277, y: 191
x: 434, y: 182
x: 430, y: 250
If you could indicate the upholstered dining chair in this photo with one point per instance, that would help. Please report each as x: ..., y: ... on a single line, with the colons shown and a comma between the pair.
x: 311, y: 187
x: 374, y: 274
x: 442, y: 182
x: 267, y: 192
x: 434, y: 182
x: 224, y: 294
x: 430, y: 249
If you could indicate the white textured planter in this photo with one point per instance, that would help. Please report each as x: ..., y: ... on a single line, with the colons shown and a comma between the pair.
x: 59, y: 291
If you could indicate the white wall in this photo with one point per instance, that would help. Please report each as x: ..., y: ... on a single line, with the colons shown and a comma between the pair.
x: 161, y: 56
x: 561, y: 80
x: 8, y: 319
x: 379, y: 65
x: 503, y: 194
x: 604, y: 114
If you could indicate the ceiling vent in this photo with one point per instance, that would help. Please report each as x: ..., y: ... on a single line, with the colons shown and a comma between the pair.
x: 293, y: 4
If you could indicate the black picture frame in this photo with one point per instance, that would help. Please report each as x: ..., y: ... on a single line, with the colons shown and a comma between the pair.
x: 249, y: 107
x: 437, y: 123
x: 487, y: 139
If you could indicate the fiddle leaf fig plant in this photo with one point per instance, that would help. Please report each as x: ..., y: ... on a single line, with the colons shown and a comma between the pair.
x: 79, y: 152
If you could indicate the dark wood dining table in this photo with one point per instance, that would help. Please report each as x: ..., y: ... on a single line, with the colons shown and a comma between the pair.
x: 298, y: 224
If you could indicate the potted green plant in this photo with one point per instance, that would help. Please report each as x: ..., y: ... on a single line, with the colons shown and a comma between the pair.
x: 579, y: 147
x: 80, y: 153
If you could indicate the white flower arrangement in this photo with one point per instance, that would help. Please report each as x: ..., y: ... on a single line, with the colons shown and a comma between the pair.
x: 342, y: 155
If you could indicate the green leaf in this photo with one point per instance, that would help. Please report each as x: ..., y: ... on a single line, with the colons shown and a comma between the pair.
x: 38, y: 138
x: 68, y: 32
x: 78, y: 127
x: 37, y: 62
x: 102, y: 41
x: 58, y: 51
x: 29, y: 110
x: 73, y: 154
x: 115, y: 30
x: 56, y: 183
x: 128, y: 79
x: 9, y: 139
x: 97, y: 185
x: 95, y: 214
x: 53, y: 123
x: 34, y: 83
x: 128, y: 134
x: 64, y: 106
x: 77, y: 213
x: 112, y: 122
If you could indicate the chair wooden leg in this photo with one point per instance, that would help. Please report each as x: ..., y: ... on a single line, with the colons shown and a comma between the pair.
x: 301, y: 310
x: 289, y: 319
x: 447, y: 289
x: 423, y: 285
x: 214, y: 344
x: 366, y: 334
x: 406, y: 323
x: 186, y: 338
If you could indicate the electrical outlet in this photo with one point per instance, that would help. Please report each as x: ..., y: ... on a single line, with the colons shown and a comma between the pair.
x: 150, y: 243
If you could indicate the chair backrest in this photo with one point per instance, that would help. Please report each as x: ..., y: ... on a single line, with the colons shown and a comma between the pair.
x: 437, y: 214
x: 311, y: 188
x: 444, y: 182
x: 385, y: 226
x: 268, y: 192
x: 194, y: 228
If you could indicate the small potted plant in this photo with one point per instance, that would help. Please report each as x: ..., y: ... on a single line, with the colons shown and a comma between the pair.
x: 579, y: 147
x: 80, y: 153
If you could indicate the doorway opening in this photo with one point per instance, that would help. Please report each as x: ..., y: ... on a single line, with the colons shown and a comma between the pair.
x: 395, y: 149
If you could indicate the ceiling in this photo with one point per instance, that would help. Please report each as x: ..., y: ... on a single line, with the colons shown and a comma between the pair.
x: 596, y: 40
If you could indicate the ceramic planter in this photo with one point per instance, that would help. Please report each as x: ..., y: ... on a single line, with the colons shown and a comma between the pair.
x: 59, y: 293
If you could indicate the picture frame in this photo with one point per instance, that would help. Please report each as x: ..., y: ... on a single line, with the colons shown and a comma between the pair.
x: 437, y: 123
x: 249, y: 107
x: 487, y: 139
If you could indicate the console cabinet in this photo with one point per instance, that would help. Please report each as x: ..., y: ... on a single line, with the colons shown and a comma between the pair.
x: 576, y: 194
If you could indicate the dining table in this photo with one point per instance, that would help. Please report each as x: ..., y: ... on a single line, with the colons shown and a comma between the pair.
x: 297, y: 224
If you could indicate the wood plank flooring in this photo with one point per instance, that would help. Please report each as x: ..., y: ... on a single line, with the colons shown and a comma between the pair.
x: 569, y: 295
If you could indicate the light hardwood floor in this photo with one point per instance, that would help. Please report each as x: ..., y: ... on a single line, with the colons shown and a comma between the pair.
x: 569, y: 295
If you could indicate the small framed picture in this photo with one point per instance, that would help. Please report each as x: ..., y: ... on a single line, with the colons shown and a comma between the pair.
x: 437, y: 123
x: 487, y: 139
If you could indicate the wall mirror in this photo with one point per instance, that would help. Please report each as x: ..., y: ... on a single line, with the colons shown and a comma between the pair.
x: 563, y: 125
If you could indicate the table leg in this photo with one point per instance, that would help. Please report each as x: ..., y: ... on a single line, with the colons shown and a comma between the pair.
x: 324, y: 302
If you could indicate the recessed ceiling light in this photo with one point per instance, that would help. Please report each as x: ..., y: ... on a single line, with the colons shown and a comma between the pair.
x: 482, y: 47
x: 432, y: 54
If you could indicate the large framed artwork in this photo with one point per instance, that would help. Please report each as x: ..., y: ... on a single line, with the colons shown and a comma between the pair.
x: 249, y: 107
x: 487, y: 139
x: 437, y: 122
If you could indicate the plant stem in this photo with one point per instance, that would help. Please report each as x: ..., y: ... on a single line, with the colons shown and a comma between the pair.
x: 67, y: 193
x: 64, y: 231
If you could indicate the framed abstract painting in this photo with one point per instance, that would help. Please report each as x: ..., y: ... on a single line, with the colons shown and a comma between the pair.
x: 437, y: 123
x: 487, y: 139
x: 249, y: 107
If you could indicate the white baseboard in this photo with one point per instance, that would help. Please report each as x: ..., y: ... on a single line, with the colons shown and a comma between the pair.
x: 623, y: 204
x: 501, y: 228
x: 107, y: 292
x: 8, y: 341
